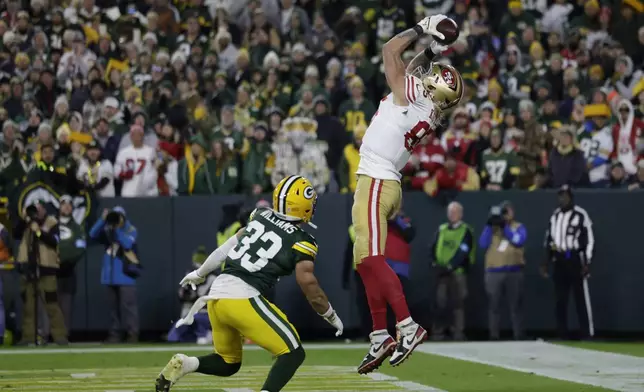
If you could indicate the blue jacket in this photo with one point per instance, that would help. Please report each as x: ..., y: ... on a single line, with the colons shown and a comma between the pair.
x: 112, y: 271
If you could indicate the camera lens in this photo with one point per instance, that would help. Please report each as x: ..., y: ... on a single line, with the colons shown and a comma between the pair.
x: 32, y: 211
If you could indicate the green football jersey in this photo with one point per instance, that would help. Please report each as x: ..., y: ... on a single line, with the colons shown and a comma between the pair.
x: 233, y: 138
x: 268, y: 249
x: 499, y: 168
x: 352, y: 114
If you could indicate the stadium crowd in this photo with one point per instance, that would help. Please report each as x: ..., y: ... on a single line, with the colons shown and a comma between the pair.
x: 155, y: 97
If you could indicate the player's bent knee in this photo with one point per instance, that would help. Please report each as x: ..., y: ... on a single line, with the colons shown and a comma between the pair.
x: 230, y: 369
x: 231, y: 359
x: 298, y: 355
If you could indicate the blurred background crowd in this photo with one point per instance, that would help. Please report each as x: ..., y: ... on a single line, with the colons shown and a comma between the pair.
x: 162, y: 97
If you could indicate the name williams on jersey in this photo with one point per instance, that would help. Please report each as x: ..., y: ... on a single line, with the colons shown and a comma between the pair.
x: 282, y: 224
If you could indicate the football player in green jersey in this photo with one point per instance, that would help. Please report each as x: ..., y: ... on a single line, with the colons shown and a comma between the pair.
x: 499, y: 168
x: 272, y: 245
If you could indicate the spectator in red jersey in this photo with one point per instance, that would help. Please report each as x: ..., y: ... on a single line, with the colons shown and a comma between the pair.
x: 400, y: 233
x: 170, y: 141
x: 458, y: 137
x: 454, y: 177
x: 428, y: 156
x: 628, y: 137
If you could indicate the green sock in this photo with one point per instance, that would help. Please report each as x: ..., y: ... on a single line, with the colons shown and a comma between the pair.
x: 283, y: 370
x: 215, y: 365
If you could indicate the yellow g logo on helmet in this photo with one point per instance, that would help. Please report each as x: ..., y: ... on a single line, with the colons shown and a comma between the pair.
x: 295, y: 197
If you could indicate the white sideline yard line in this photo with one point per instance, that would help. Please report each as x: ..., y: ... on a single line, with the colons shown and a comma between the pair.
x: 406, y: 385
x: 617, y: 372
x: 168, y: 348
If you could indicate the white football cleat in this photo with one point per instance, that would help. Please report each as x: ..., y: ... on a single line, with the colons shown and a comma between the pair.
x: 171, y: 373
x: 411, y: 336
x: 382, y: 346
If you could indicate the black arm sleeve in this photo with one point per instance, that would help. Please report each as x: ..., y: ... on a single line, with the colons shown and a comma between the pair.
x: 409, y: 233
x: 548, y: 245
x: 102, y: 184
x: 462, y: 256
x: 50, y: 238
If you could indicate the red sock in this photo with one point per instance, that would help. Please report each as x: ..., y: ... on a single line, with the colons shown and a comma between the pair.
x: 390, y: 287
x: 375, y: 297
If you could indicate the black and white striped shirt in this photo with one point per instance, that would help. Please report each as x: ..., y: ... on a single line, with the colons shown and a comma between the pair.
x: 571, y: 230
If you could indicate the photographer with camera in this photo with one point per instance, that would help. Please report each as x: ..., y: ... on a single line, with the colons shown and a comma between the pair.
x: 38, y: 263
x: 503, y: 240
x: 121, y: 268
x: 453, y: 252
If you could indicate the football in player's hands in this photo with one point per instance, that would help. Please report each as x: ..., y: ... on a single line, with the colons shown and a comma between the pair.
x: 449, y: 29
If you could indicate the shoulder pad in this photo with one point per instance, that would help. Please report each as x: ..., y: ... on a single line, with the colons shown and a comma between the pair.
x: 307, y: 245
x: 254, y: 212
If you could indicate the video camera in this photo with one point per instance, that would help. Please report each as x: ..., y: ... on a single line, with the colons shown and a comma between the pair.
x: 495, y: 218
x: 113, y: 219
x: 32, y: 212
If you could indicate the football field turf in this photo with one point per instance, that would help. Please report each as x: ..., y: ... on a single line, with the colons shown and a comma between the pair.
x: 493, y: 367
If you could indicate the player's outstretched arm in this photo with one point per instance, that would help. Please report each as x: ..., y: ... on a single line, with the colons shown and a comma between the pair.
x: 392, y: 59
x: 392, y: 54
x: 425, y: 58
x: 214, y: 261
x: 315, y: 295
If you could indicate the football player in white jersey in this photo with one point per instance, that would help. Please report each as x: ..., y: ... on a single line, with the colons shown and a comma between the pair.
x: 420, y: 95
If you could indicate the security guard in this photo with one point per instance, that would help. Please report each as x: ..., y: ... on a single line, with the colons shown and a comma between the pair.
x: 38, y: 262
x: 569, y: 246
x: 453, y: 251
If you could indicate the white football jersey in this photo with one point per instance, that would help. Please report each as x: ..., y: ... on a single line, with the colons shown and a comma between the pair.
x: 142, y: 162
x: 395, y: 131
x: 96, y: 173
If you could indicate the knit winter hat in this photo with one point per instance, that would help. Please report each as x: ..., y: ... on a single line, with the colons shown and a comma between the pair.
x: 61, y: 100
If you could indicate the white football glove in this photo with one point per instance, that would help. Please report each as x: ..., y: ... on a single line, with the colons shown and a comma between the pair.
x: 437, y: 48
x: 332, y: 318
x: 193, y: 279
x: 429, y: 23
x: 188, y: 320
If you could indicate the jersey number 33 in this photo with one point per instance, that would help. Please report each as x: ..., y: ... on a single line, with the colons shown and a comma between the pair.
x: 254, y: 258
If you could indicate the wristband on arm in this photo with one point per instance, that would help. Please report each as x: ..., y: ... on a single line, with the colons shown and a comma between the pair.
x: 329, y: 311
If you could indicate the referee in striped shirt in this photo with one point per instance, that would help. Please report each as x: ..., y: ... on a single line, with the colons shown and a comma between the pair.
x: 569, y: 243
